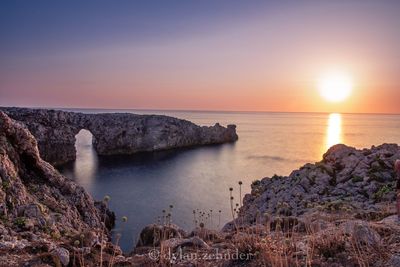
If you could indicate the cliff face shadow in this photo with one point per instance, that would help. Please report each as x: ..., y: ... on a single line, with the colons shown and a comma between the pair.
x: 144, y: 158
x: 88, y: 163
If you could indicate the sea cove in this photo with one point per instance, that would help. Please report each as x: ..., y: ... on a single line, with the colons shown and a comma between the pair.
x: 200, y: 133
x: 141, y: 186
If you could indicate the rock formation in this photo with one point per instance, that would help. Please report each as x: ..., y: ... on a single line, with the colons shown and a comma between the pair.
x: 114, y: 133
x: 39, y: 208
x: 347, y: 180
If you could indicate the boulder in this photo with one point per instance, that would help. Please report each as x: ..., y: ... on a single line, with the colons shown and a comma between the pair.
x: 394, y: 261
x: 362, y: 233
x: 206, y: 234
x: 174, y: 243
x: 61, y: 255
x: 153, y: 234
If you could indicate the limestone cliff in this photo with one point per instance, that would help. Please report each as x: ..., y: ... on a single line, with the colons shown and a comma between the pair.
x: 39, y: 207
x: 114, y: 133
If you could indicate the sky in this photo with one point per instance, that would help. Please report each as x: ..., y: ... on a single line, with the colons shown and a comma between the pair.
x: 199, y: 55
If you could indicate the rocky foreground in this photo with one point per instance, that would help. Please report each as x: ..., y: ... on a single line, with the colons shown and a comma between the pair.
x: 337, y: 212
x: 42, y: 213
x: 114, y: 133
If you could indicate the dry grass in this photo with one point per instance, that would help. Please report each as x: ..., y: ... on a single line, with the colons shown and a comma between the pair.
x: 321, y: 239
x: 315, y: 247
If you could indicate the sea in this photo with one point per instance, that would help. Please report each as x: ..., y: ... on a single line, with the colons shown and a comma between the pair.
x: 192, y: 185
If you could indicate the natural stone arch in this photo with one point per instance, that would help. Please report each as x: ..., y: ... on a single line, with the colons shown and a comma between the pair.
x: 114, y: 133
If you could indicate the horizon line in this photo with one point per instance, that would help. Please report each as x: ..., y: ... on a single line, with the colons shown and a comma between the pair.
x: 201, y: 110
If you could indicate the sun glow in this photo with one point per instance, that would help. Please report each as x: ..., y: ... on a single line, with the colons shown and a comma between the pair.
x: 335, y: 86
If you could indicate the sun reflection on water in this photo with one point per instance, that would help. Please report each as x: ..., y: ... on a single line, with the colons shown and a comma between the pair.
x: 334, y: 130
x: 85, y: 165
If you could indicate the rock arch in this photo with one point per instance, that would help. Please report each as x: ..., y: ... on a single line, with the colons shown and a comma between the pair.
x: 114, y: 133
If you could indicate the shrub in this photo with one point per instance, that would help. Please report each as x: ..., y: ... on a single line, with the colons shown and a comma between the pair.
x: 20, y: 221
x: 382, y: 192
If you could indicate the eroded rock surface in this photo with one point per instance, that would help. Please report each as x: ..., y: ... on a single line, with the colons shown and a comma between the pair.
x: 114, y: 133
x: 360, y: 182
x: 41, y: 211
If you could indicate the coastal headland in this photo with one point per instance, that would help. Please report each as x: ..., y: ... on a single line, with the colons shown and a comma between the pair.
x: 114, y: 133
x: 340, y: 211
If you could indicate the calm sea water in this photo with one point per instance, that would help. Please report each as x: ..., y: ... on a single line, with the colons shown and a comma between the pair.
x: 141, y: 186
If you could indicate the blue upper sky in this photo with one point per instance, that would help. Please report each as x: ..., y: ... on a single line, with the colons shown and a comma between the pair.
x: 253, y: 55
x: 40, y: 25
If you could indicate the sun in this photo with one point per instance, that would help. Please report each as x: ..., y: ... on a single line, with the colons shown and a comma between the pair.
x: 335, y: 86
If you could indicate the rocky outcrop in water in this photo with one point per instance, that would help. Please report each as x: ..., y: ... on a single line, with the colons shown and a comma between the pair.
x: 114, y: 133
x: 41, y: 211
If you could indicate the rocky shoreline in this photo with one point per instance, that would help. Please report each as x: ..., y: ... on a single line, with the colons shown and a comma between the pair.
x: 114, y: 133
x: 42, y: 212
x: 337, y: 212
x: 346, y: 180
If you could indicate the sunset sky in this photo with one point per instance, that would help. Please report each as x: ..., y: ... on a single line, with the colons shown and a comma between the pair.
x: 199, y: 55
